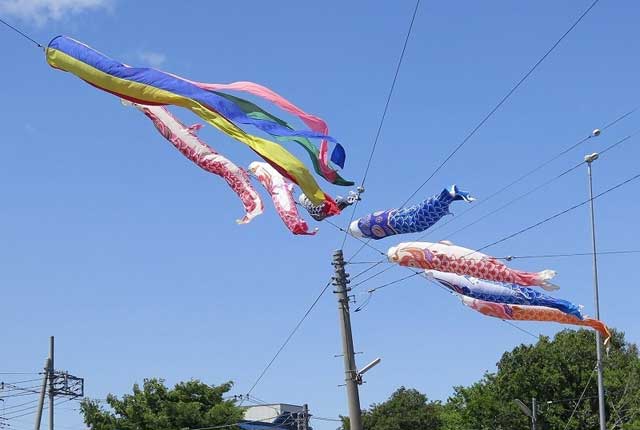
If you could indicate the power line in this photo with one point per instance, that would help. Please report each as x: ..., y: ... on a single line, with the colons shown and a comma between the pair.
x: 521, y: 329
x: 520, y: 197
x: 364, y: 305
x: 235, y: 424
x: 373, y: 276
x: 19, y: 405
x: 304, y: 317
x: 569, y: 400
x: 388, y: 284
x: 364, y: 262
x: 284, y: 344
x: 560, y: 154
x: 20, y: 373
x: 412, y: 275
x: 575, y: 254
x: 373, y: 290
x: 539, y: 187
x: 21, y: 33
x: 365, y: 243
x: 346, y: 232
x: 257, y: 400
x: 531, y: 172
x: 544, y: 184
x: 29, y: 393
x: 11, y: 387
x: 624, y: 139
x: 32, y: 410
x: 443, y: 288
x: 20, y: 382
x: 297, y: 326
x: 624, y: 398
x: 30, y: 424
x: 614, y: 122
x: 579, y: 399
x: 504, y: 188
x: 502, y: 101
x: 506, y: 238
x: 373, y: 265
x: 384, y: 113
x: 393, y: 85
x: 337, y: 420
x: 556, y: 215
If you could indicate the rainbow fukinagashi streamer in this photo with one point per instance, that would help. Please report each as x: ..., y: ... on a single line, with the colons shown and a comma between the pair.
x: 153, y: 87
x: 323, y: 164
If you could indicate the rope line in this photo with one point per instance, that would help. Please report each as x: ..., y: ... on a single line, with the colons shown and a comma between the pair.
x: 21, y: 33
x: 384, y: 115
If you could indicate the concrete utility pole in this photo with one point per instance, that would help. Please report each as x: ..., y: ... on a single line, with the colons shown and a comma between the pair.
x: 302, y: 422
x: 305, y: 422
x: 351, y: 373
x: 603, y: 419
x: 51, y: 382
x: 59, y: 383
x: 43, y: 391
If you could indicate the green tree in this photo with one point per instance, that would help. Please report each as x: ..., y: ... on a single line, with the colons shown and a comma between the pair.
x: 190, y: 404
x: 555, y: 372
x: 406, y: 409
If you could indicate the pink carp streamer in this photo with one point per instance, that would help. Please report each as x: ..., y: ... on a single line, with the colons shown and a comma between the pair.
x: 185, y: 140
x: 281, y: 192
x: 313, y: 122
x: 533, y: 313
x: 446, y: 257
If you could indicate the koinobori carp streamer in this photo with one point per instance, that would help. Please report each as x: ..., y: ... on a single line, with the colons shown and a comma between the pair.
x: 533, y: 313
x: 413, y: 219
x: 320, y: 212
x: 501, y: 292
x: 281, y: 193
x: 185, y: 140
x: 447, y: 257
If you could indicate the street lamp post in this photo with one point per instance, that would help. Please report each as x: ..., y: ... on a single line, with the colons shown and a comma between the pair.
x: 531, y: 413
x: 590, y: 159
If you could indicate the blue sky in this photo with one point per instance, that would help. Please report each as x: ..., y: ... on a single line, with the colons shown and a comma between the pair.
x: 129, y: 255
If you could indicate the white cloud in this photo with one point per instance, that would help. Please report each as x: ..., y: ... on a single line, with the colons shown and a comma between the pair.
x: 41, y: 11
x: 154, y: 59
x: 30, y: 128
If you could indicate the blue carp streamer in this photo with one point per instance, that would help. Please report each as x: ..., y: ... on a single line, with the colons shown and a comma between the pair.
x: 413, y: 219
x: 502, y: 292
